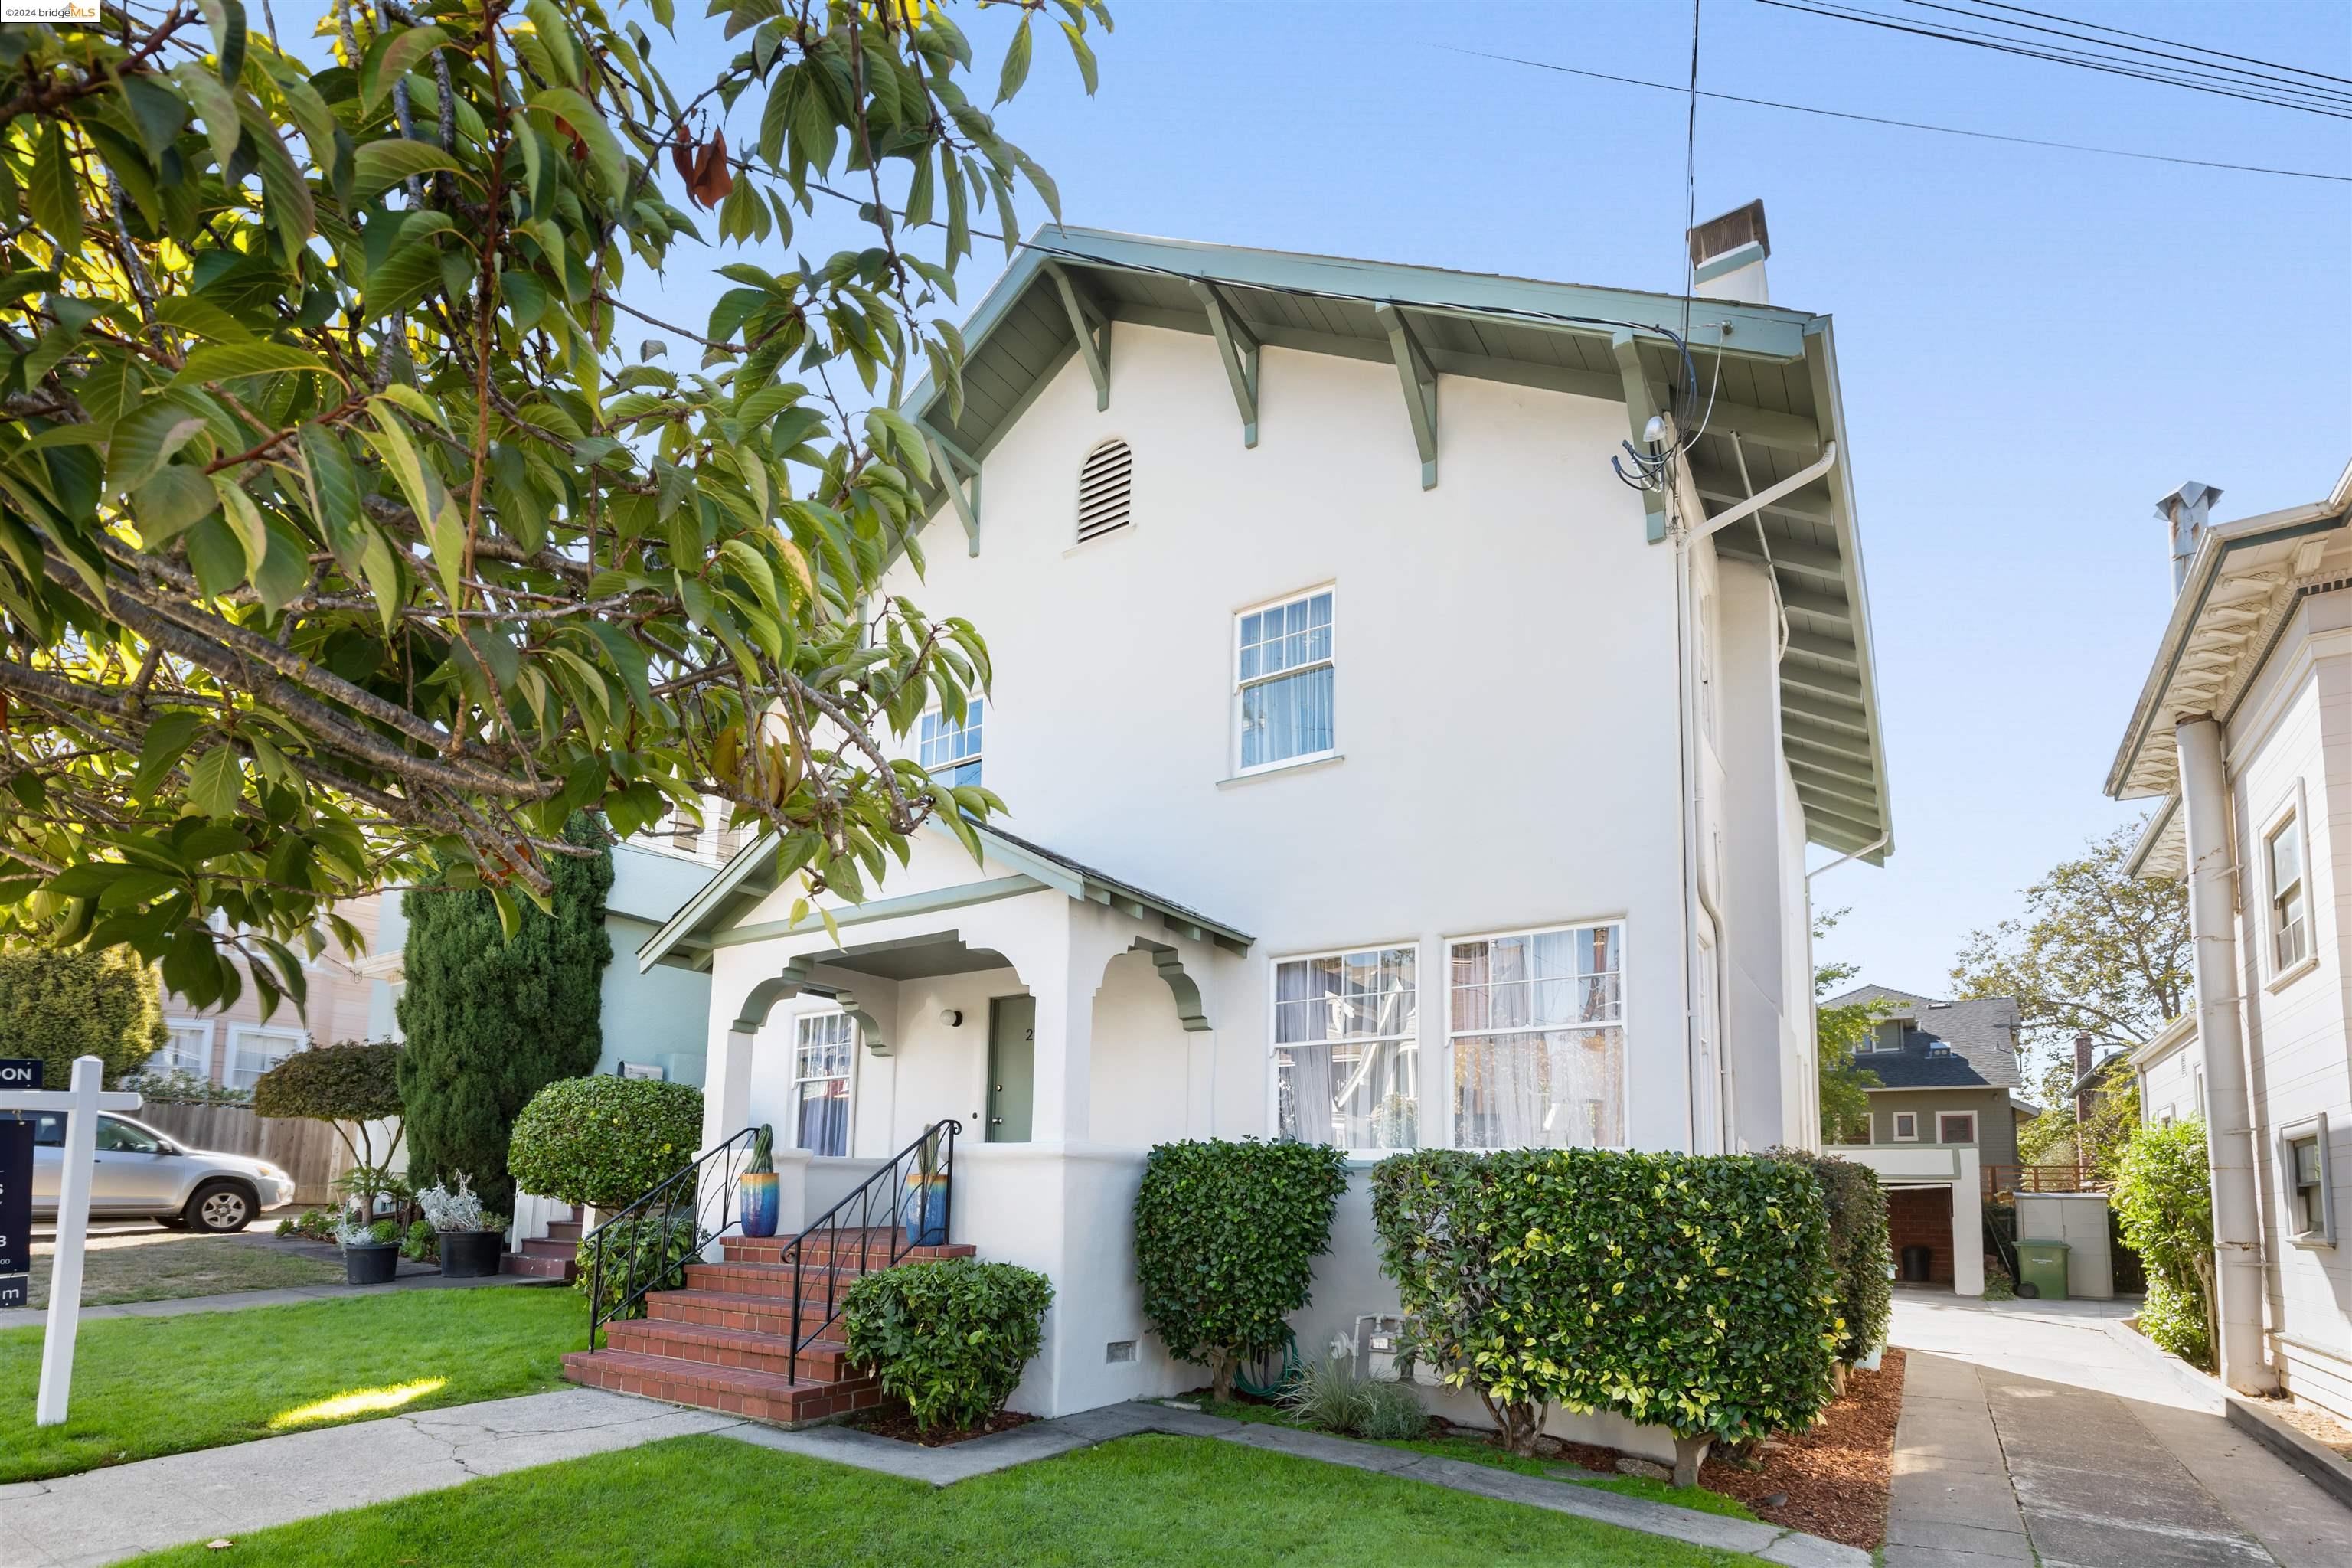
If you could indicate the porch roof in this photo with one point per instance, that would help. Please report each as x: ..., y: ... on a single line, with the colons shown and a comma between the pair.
x: 705, y: 923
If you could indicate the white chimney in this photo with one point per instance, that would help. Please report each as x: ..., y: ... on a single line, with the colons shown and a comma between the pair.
x: 2186, y: 511
x: 1728, y: 256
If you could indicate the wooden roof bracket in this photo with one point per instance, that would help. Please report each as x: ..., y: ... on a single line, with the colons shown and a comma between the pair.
x: 1420, y: 381
x: 1237, y: 346
x: 956, y: 468
x: 1092, y: 326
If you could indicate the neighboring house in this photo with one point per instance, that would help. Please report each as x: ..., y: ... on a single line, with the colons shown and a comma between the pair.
x: 1946, y: 1114
x: 1381, y: 772
x: 234, y: 1044
x: 2242, y: 736
x: 652, y: 1022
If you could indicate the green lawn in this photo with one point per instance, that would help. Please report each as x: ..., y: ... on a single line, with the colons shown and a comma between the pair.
x: 156, y: 1265
x: 695, y: 1502
x: 1478, y: 1452
x: 145, y: 1386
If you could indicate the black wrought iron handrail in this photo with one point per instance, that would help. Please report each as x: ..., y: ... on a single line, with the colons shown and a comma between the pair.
x: 932, y: 1157
x: 708, y: 1182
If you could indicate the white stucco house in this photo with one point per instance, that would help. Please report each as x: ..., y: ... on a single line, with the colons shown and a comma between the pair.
x: 1383, y: 768
x: 2243, y: 737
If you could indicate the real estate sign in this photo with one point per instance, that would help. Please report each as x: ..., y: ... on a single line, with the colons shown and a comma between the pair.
x: 17, y: 1185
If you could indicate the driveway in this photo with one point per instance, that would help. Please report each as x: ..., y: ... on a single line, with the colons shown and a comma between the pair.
x: 2048, y: 1431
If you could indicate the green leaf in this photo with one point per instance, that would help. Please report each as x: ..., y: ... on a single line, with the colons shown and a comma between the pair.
x: 244, y: 519
x: 167, y: 738
x: 1017, y: 63
x: 378, y: 167
x: 391, y: 57
x: 144, y: 440
x: 1083, y: 53
x: 447, y: 531
x: 54, y: 191
x: 587, y: 122
x: 214, y: 105
x: 199, y: 317
x: 418, y: 484
x: 171, y: 503
x: 226, y: 362
x: 215, y: 783
x: 227, y: 20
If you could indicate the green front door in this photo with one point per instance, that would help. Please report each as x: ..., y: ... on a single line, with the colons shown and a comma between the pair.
x: 1011, y: 1067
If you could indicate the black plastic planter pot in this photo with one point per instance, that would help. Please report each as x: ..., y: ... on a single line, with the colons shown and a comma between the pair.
x: 471, y: 1254
x: 369, y: 1263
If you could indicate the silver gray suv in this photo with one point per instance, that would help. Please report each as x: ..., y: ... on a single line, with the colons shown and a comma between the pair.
x: 142, y: 1174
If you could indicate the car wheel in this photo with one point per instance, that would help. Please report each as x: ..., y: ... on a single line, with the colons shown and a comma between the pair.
x: 220, y: 1208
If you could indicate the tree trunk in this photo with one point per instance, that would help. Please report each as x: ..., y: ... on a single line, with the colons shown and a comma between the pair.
x: 1838, y: 1371
x: 1222, y: 1364
x: 1690, y: 1453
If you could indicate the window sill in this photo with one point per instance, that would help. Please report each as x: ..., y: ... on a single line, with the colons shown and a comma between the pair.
x: 2287, y: 977
x: 2311, y: 1243
x: 1275, y: 770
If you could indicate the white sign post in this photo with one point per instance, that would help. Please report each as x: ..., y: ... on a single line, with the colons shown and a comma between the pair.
x: 81, y: 1103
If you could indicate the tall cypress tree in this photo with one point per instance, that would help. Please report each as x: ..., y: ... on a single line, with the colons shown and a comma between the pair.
x: 492, y: 1021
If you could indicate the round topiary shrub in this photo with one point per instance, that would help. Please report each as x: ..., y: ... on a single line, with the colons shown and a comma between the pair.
x: 950, y: 1337
x: 1226, y: 1236
x: 603, y: 1141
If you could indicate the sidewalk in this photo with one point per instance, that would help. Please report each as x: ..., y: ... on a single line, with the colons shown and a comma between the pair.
x: 102, y: 1516
x: 2048, y: 1431
x: 237, y: 1301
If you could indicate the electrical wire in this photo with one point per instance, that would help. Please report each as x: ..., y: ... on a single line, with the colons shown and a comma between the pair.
x: 1906, y: 124
x: 2030, y: 51
x: 2152, y: 39
x: 2164, y: 54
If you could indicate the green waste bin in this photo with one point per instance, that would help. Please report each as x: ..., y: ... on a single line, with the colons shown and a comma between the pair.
x: 2042, y: 1267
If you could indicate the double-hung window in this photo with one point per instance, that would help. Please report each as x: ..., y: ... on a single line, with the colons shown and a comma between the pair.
x: 950, y: 751
x: 1956, y: 1127
x: 2289, y: 921
x: 188, y: 1049
x: 823, y: 1044
x: 2310, y: 1203
x: 1346, y: 1049
x: 253, y: 1052
x: 1283, y: 681
x: 1537, y: 1020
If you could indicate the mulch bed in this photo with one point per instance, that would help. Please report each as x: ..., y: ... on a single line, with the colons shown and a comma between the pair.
x: 896, y: 1422
x: 2316, y: 1424
x: 1834, y: 1478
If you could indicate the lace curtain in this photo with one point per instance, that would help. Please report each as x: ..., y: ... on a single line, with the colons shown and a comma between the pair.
x: 1346, y: 1056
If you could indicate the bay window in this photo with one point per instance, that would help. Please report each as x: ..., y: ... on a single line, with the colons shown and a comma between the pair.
x: 1346, y: 1049
x: 1537, y: 1020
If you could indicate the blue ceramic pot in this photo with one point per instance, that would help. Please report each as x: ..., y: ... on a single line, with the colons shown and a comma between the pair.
x: 927, y: 1215
x: 756, y: 1191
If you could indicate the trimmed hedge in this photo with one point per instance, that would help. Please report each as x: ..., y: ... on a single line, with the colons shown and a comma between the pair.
x: 1226, y: 1236
x: 950, y: 1337
x: 603, y: 1141
x: 1858, y: 1248
x: 1694, y: 1292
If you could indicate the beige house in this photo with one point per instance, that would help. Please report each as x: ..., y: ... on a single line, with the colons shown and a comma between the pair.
x: 233, y: 1044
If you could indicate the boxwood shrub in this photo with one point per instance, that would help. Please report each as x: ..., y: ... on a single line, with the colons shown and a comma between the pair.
x: 1226, y: 1236
x: 603, y: 1141
x: 1690, y: 1292
x: 1858, y: 1248
x: 950, y: 1337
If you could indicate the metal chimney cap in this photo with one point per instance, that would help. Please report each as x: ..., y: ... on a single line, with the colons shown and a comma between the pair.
x: 2194, y: 496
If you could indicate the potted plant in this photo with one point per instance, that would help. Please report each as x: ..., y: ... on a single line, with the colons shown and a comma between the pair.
x: 471, y: 1243
x: 756, y: 1188
x: 371, y: 1248
x: 927, y: 1200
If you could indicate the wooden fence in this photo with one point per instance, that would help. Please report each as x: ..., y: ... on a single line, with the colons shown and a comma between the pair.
x: 2000, y: 1179
x: 309, y: 1151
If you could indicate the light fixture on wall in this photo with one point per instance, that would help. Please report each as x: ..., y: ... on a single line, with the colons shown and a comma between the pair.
x: 952, y: 1017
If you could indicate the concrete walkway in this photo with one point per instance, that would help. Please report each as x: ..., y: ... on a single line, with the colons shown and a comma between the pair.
x: 104, y: 1516
x: 2048, y: 1431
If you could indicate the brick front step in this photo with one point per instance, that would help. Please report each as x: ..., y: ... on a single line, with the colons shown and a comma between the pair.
x: 872, y: 1253
x: 729, y: 1310
x: 771, y: 1278
x: 550, y: 1247
x: 819, y: 1362
x: 534, y: 1267
x: 563, y: 1230
x: 736, y: 1391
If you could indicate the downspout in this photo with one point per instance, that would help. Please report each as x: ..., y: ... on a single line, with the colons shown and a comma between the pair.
x: 2238, y: 1271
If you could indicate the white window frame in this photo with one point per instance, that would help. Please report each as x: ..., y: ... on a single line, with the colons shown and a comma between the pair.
x: 1233, y: 653
x: 1624, y: 1023
x: 1940, y: 1117
x: 1416, y: 1039
x: 977, y: 759
x: 2288, y: 812
x: 1895, y: 1124
x: 237, y: 1034
x: 203, y: 1029
x: 1878, y: 1045
x: 848, y: 1077
x: 2311, y: 1129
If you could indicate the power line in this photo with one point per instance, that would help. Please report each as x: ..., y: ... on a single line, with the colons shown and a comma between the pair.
x: 2030, y: 51
x: 2152, y: 39
x: 1908, y: 124
x: 2206, y: 67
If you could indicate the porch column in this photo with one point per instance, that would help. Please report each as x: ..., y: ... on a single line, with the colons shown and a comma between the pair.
x: 1968, y: 1224
x: 726, y: 1107
x: 1062, y: 1109
x: 2228, y: 1112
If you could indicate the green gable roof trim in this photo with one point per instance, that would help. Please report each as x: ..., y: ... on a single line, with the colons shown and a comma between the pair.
x: 1768, y: 398
x: 708, y: 920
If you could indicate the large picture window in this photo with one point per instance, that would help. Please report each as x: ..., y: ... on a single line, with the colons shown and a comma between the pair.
x: 1345, y: 1049
x: 823, y: 1045
x: 1283, y: 681
x: 1538, y: 1023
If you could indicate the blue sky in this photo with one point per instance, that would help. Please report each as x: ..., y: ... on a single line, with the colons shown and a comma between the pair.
x: 2036, y: 345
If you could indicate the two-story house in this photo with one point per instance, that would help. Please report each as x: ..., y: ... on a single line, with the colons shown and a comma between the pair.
x: 2242, y: 736
x: 1385, y: 768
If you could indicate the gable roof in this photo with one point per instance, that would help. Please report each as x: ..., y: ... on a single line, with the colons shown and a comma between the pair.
x: 1980, y: 1031
x: 686, y: 939
x: 1767, y: 409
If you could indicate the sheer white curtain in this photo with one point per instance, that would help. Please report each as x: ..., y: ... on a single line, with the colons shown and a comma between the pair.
x: 1346, y: 1055
x: 822, y: 1047
x: 1536, y: 1024
x: 1286, y: 682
